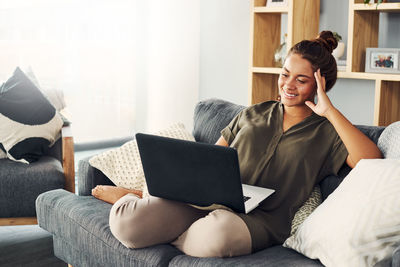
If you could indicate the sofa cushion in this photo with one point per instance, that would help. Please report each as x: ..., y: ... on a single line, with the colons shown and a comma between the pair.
x: 389, y: 141
x: 122, y: 165
x: 29, y: 124
x: 3, y: 154
x: 20, y: 184
x: 358, y: 224
x: 211, y: 116
x: 80, y: 226
x: 276, y: 256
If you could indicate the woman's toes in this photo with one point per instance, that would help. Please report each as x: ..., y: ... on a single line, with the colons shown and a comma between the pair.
x: 97, y: 191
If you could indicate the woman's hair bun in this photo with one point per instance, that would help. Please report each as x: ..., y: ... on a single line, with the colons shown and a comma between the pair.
x: 327, y: 40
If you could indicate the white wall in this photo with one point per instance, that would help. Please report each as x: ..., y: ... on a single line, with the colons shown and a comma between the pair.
x: 168, y: 89
x: 224, y: 49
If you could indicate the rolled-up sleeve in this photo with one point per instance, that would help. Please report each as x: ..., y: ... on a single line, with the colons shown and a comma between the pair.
x: 229, y: 132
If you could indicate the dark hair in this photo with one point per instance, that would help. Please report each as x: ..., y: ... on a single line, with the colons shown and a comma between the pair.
x: 319, y: 53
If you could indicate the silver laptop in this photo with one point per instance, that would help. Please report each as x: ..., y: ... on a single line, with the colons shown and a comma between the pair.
x: 196, y: 173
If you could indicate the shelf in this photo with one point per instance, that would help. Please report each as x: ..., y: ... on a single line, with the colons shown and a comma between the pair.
x: 341, y: 74
x: 280, y: 9
x: 303, y: 23
x: 267, y: 70
x: 368, y: 76
x: 387, y: 7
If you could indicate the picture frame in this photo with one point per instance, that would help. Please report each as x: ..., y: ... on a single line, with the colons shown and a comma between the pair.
x: 382, y: 60
x: 276, y: 3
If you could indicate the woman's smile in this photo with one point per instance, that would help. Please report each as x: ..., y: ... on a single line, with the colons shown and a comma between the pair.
x: 288, y: 95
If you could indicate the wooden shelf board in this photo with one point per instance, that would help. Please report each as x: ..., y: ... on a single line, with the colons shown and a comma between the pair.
x: 264, y: 9
x: 368, y: 76
x: 388, y: 7
x: 267, y: 70
x: 341, y: 74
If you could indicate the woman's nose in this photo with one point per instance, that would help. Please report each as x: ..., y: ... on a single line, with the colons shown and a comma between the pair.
x: 290, y: 83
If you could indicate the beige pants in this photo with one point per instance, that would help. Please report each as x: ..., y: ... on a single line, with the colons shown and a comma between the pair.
x: 139, y: 223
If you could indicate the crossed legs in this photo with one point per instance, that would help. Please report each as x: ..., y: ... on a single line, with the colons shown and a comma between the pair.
x: 139, y: 223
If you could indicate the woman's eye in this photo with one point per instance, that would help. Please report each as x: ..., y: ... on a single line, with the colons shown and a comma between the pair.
x: 301, y: 81
x: 284, y: 75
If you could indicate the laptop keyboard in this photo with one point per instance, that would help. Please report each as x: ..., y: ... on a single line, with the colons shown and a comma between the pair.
x: 245, y: 198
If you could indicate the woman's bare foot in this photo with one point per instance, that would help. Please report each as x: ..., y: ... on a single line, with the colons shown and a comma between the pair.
x: 111, y: 194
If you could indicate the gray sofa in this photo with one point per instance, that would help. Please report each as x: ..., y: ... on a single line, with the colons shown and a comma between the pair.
x: 81, y: 233
x: 21, y: 184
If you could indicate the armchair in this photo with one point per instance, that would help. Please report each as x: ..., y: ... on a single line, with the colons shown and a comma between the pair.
x: 20, y: 184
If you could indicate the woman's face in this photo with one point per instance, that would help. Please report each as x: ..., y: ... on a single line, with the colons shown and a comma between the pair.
x: 296, y: 81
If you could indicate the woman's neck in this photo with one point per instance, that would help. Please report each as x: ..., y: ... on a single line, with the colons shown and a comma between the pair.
x: 298, y: 113
x: 294, y: 115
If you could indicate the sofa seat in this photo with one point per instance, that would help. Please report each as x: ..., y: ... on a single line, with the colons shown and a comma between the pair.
x: 276, y: 256
x: 80, y: 223
x: 20, y: 184
x: 82, y: 236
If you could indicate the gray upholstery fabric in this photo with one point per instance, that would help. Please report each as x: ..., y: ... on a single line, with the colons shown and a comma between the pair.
x: 211, y: 116
x: 396, y: 257
x: 20, y: 184
x: 277, y: 256
x: 55, y: 151
x: 80, y: 226
x: 89, y: 177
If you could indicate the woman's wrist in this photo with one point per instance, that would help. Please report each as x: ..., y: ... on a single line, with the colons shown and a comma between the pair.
x: 332, y: 113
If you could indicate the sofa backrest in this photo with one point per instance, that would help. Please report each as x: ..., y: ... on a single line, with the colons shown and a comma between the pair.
x: 212, y: 115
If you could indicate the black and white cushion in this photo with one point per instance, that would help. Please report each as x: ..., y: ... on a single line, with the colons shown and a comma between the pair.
x: 29, y: 124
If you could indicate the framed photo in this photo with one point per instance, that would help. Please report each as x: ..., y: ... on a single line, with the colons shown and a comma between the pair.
x: 383, y: 60
x: 271, y: 3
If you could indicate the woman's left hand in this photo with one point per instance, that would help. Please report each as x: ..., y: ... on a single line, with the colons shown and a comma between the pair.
x: 323, y: 103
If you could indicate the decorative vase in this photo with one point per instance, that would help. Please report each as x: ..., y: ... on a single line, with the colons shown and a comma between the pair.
x: 280, y: 53
x: 339, y: 50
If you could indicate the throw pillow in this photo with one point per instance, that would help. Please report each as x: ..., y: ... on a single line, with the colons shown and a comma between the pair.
x: 123, y: 165
x: 55, y: 96
x: 308, y: 207
x: 389, y: 141
x: 29, y: 124
x: 3, y: 155
x: 358, y: 224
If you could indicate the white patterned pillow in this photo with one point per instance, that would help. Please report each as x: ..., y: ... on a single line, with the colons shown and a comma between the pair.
x: 3, y: 155
x: 308, y: 207
x: 359, y: 223
x: 389, y: 141
x: 123, y: 165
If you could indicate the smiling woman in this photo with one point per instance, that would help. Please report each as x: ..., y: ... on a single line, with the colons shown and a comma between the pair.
x: 86, y: 49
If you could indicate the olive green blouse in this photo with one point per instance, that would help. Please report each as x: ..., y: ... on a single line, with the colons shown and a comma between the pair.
x: 290, y: 162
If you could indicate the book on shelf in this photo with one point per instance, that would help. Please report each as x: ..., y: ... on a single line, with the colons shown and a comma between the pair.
x: 341, y: 64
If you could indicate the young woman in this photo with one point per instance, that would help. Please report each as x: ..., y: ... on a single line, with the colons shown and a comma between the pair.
x: 288, y: 145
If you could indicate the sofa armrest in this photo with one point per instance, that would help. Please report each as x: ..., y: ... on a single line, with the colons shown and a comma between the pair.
x: 89, y: 177
x: 68, y: 158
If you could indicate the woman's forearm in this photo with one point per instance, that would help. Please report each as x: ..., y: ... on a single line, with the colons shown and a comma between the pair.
x: 358, y: 145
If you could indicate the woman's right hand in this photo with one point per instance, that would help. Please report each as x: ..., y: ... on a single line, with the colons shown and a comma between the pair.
x: 324, y: 104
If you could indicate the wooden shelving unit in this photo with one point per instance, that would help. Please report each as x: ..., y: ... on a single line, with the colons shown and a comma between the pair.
x: 266, y: 38
x: 303, y: 23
